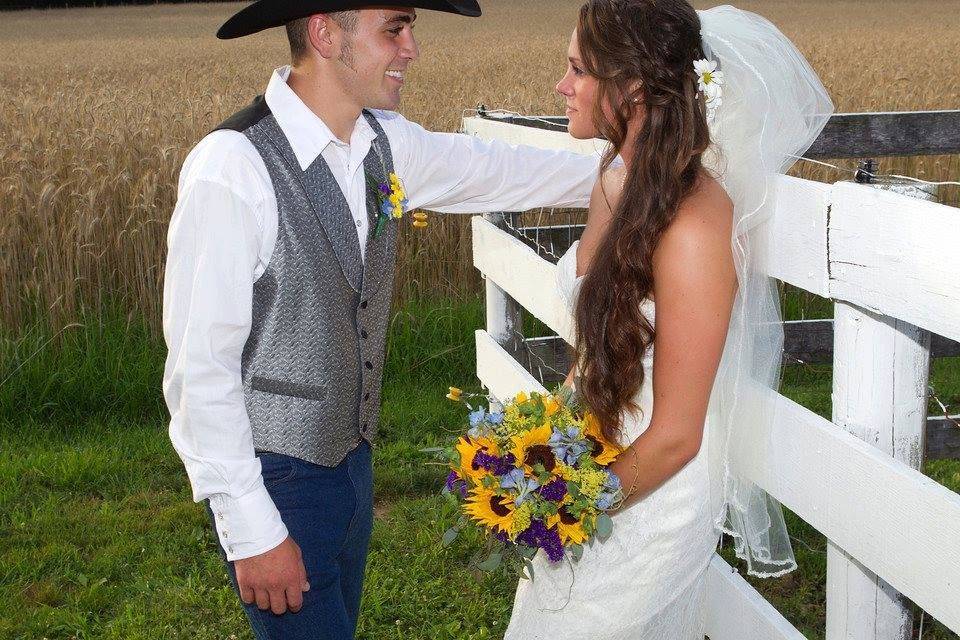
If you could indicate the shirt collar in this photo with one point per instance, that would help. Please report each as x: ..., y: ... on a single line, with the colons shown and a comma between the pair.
x: 307, y: 133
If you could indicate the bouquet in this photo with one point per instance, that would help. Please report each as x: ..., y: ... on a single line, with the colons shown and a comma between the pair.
x: 532, y: 476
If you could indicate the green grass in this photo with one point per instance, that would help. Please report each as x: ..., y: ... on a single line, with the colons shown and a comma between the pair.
x: 102, y: 540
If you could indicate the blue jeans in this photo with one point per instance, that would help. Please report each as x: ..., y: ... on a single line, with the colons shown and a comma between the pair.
x: 328, y: 512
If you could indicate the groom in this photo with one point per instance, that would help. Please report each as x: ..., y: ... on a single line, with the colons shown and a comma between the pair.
x: 277, y: 295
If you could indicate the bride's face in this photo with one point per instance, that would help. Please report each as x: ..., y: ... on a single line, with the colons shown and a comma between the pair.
x: 579, y: 89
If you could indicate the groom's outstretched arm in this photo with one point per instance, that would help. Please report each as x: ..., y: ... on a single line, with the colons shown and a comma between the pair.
x: 457, y: 173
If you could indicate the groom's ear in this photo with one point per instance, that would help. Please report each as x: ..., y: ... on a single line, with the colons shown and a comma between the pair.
x: 320, y: 35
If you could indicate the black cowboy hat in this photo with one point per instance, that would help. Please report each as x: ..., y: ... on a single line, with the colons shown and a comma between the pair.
x: 264, y: 14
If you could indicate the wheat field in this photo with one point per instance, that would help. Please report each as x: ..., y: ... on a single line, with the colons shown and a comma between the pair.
x: 99, y: 107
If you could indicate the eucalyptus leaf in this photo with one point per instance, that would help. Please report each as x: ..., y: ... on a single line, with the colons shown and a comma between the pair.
x: 432, y: 450
x: 450, y: 535
x: 491, y: 563
x: 604, y: 526
x: 529, y: 568
x: 576, y: 551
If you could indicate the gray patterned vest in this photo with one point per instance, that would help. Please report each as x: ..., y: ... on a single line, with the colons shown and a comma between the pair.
x: 312, y: 366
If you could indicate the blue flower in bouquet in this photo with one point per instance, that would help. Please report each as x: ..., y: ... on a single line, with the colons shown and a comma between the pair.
x: 568, y: 445
x: 612, y: 483
x: 516, y: 479
x: 476, y: 417
x: 610, y: 492
x: 495, y: 418
x: 605, y: 500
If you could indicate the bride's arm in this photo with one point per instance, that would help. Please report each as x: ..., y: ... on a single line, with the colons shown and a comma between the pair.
x: 695, y: 284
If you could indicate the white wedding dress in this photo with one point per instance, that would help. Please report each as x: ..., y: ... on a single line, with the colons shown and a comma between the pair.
x: 647, y: 581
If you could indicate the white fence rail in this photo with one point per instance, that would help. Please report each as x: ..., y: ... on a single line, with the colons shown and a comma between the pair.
x: 891, y: 529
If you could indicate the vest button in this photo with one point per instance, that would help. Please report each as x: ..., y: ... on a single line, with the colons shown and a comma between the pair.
x: 368, y: 364
x: 363, y: 305
x: 366, y: 396
x: 363, y: 333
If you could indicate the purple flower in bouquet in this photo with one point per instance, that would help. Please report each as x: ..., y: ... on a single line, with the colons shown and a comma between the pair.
x: 455, y: 483
x: 555, y: 490
x: 538, y: 536
x: 494, y: 464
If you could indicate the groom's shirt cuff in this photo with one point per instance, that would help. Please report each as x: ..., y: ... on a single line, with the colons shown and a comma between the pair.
x: 248, y: 525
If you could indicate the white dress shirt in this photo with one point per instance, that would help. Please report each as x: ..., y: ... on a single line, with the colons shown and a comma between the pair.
x: 222, y: 234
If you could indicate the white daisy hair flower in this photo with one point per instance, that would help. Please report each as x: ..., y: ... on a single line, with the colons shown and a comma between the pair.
x: 710, y: 84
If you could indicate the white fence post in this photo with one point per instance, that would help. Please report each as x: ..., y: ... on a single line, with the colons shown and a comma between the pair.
x: 881, y: 366
x: 504, y: 319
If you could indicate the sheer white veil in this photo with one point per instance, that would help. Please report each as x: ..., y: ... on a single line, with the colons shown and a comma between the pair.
x: 773, y: 108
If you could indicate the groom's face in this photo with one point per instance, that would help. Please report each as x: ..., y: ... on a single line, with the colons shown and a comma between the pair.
x: 374, y: 58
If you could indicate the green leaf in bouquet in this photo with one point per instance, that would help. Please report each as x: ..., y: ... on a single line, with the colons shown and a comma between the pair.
x: 576, y: 552
x: 588, y: 527
x: 528, y: 569
x: 527, y: 552
x: 432, y: 450
x: 451, y: 497
x: 573, y: 489
x: 491, y: 563
x: 604, y: 526
x: 450, y: 535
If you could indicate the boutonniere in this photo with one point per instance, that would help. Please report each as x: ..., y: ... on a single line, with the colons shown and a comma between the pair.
x: 391, y: 200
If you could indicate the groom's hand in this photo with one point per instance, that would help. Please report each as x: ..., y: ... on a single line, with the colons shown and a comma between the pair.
x: 275, y: 580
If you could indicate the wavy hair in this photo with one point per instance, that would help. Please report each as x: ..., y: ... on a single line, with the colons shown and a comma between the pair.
x: 642, y: 53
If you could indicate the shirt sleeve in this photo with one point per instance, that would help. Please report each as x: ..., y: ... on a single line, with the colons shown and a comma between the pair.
x: 213, y: 241
x: 458, y: 173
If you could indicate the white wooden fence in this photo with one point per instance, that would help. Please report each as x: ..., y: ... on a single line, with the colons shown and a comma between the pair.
x: 890, y: 264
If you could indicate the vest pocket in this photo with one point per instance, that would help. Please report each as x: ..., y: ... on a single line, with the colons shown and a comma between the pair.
x: 292, y: 389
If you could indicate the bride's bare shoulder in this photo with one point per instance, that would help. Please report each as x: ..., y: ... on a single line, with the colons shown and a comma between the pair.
x: 706, y: 210
x: 700, y: 233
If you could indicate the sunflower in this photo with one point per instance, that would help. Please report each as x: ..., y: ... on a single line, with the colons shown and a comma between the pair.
x: 569, y: 528
x: 531, y: 447
x: 489, y: 509
x: 550, y: 406
x: 604, y: 451
x: 468, y: 447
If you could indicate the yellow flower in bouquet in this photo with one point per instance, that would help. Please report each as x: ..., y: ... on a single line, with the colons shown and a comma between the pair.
x: 604, y: 451
x: 468, y: 447
x: 531, y: 447
x: 570, y: 529
x: 490, y: 510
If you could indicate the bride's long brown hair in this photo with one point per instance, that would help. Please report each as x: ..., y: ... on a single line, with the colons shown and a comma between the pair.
x: 640, y: 51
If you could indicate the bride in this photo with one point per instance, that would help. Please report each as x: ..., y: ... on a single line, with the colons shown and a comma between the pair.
x: 675, y: 323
